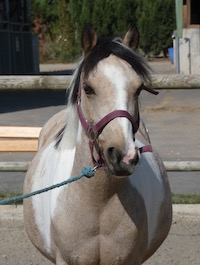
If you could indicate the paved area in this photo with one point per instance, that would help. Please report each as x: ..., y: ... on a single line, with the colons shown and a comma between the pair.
x: 159, y: 66
x: 172, y: 118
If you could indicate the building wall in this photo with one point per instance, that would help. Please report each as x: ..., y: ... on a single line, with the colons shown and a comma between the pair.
x: 19, y: 48
x: 189, y: 51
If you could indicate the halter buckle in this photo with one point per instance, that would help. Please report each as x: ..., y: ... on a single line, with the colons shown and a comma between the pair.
x: 92, y: 134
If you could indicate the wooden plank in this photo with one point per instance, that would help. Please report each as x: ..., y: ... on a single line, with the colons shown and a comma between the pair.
x: 182, y: 165
x: 19, y: 145
x: 34, y: 82
x: 62, y: 82
x: 20, y: 166
x: 175, y: 81
x: 19, y: 132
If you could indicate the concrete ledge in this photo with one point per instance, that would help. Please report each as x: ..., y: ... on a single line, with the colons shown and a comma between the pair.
x: 11, y: 212
x: 15, y: 212
x: 192, y: 209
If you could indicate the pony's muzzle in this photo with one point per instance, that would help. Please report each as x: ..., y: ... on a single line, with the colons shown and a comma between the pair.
x: 119, y: 164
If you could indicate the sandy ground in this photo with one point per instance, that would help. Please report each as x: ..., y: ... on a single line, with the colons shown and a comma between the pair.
x: 182, y: 246
x: 159, y: 66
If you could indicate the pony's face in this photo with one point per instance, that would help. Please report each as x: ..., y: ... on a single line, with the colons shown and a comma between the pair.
x: 110, y: 80
x: 113, y: 85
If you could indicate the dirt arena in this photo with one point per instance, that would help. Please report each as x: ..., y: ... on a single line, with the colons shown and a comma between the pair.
x: 181, y: 247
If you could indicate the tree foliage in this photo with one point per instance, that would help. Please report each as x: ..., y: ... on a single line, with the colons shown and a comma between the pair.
x: 45, y: 9
x: 51, y: 21
x: 63, y: 21
x: 156, y: 21
x: 107, y: 16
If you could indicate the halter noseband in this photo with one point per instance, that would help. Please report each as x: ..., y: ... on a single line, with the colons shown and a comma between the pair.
x: 93, y: 132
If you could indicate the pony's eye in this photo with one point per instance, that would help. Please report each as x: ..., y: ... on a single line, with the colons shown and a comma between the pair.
x: 88, y: 90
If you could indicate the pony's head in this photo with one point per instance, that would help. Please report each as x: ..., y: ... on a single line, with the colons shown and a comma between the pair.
x: 109, y: 79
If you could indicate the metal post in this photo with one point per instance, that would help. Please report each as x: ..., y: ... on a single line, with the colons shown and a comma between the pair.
x: 179, y: 30
x: 177, y: 54
x: 9, y: 36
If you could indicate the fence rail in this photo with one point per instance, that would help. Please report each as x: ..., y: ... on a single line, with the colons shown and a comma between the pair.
x: 169, y: 165
x: 60, y: 82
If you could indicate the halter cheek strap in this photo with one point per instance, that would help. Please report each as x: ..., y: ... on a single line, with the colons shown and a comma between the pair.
x: 94, y: 131
x: 98, y: 128
x: 150, y: 90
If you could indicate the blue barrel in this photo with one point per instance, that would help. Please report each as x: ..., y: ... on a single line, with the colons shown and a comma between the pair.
x: 171, y: 54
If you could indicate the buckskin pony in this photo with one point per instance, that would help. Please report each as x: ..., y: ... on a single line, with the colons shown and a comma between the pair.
x: 123, y: 214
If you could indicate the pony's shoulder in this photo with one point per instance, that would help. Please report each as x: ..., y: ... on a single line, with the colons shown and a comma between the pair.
x: 52, y: 128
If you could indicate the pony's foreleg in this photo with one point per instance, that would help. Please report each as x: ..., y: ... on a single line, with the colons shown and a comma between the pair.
x: 59, y: 259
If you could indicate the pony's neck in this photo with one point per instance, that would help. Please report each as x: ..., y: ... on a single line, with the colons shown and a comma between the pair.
x: 100, y: 187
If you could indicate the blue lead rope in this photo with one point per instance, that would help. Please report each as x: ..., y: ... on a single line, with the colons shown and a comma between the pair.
x: 87, y: 172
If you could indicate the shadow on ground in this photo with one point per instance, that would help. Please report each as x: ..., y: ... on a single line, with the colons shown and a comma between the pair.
x: 11, y: 101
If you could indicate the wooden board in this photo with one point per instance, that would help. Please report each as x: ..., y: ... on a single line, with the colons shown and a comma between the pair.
x: 19, y: 132
x: 32, y: 82
x: 15, y: 145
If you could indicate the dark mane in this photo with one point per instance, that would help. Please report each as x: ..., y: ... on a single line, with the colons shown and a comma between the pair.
x: 103, y: 49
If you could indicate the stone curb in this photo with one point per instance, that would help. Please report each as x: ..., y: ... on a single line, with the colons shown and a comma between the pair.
x: 193, y: 209
x: 15, y: 212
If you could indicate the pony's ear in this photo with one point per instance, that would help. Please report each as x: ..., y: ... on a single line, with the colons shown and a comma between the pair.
x: 88, y: 40
x: 132, y: 37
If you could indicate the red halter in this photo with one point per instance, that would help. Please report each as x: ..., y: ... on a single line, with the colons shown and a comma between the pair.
x: 94, y: 131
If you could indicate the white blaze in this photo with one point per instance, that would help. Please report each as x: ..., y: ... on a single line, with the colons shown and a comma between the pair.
x: 118, y: 79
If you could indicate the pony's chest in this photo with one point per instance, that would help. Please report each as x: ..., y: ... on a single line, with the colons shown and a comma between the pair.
x: 90, y: 235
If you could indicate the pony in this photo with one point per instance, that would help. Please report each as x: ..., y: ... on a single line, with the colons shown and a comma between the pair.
x: 124, y: 212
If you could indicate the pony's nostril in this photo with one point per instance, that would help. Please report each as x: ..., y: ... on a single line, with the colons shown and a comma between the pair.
x: 110, y: 151
x: 135, y: 160
x: 113, y: 155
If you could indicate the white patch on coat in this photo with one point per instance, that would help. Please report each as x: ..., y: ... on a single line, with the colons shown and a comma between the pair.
x: 147, y: 180
x: 79, y: 133
x: 55, y: 166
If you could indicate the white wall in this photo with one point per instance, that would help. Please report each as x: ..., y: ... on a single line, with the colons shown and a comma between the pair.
x: 189, y: 50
